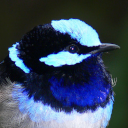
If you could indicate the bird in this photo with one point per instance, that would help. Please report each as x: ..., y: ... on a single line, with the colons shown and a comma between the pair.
x: 54, y: 77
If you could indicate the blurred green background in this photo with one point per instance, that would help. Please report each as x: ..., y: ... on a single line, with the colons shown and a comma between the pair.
x: 109, y: 18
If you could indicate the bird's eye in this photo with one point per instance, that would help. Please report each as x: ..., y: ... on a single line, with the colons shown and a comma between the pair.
x: 72, y: 48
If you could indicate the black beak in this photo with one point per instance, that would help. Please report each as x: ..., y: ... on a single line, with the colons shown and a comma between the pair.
x: 105, y: 47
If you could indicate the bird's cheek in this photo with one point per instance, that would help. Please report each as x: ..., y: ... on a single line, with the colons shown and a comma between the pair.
x: 63, y: 58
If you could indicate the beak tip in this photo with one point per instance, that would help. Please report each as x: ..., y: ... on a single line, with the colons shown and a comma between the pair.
x: 115, y: 46
x: 118, y: 47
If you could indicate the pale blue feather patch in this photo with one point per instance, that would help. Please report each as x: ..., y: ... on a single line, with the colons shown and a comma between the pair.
x: 105, y: 113
x: 63, y: 58
x: 13, y: 52
x: 78, y: 30
x: 38, y: 112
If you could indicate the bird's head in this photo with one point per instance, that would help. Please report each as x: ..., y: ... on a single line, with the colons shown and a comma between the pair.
x: 60, y: 43
x: 63, y: 65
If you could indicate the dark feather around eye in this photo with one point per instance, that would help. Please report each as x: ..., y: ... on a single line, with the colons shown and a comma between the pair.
x: 72, y: 48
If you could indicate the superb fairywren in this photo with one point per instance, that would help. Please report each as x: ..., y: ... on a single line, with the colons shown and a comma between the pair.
x: 54, y: 77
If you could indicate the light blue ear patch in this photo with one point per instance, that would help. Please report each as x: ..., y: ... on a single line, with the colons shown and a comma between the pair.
x: 78, y: 30
x: 13, y: 52
x: 63, y: 58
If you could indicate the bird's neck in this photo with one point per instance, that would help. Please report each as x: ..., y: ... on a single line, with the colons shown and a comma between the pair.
x: 82, y: 87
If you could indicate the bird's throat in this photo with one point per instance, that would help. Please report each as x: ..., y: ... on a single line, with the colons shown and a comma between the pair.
x: 82, y: 87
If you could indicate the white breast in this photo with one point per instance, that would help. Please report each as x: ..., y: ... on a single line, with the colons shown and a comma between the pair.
x: 11, y: 117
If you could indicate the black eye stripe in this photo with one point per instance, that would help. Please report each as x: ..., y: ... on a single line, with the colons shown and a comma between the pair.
x: 80, y: 49
x: 85, y: 49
